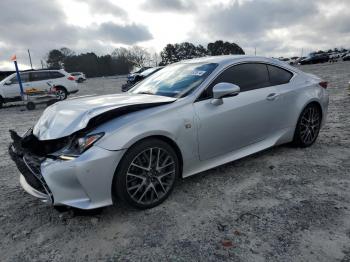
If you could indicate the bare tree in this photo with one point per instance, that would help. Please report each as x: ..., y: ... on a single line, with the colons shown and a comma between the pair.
x: 67, y: 52
x: 139, y: 56
x: 156, y: 59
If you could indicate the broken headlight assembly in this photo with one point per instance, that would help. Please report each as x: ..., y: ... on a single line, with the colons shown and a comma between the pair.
x: 79, y: 145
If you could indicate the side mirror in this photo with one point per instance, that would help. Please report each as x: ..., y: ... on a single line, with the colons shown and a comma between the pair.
x: 8, y: 82
x: 222, y: 90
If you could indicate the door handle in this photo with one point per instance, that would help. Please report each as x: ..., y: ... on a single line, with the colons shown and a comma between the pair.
x: 272, y: 96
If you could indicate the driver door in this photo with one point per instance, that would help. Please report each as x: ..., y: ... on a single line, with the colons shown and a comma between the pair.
x: 241, y: 120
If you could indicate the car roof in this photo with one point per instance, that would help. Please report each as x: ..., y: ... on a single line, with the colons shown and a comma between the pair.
x: 42, y: 70
x: 223, y: 59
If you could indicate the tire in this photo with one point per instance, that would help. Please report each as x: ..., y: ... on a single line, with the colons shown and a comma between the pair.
x: 140, y: 186
x: 61, y: 93
x: 1, y: 102
x: 61, y: 209
x: 308, y: 126
x: 30, y: 106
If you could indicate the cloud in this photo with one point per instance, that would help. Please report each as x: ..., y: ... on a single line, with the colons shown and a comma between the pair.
x: 41, y: 26
x: 169, y: 6
x: 255, y: 17
x: 127, y: 34
x: 275, y: 26
x: 105, y: 7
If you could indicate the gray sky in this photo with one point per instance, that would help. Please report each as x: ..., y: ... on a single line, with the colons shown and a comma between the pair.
x: 274, y: 27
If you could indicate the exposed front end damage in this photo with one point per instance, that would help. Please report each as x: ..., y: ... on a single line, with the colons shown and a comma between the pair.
x: 83, y: 182
x: 58, y: 171
x: 29, y: 165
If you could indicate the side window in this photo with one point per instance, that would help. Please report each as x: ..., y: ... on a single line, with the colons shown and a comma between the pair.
x: 279, y: 76
x: 24, y: 78
x: 248, y: 77
x: 55, y: 74
x: 39, y: 76
x: 14, y: 80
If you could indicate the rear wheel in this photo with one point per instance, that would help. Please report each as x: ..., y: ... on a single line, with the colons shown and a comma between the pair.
x: 308, y: 126
x: 147, y: 174
x: 61, y: 93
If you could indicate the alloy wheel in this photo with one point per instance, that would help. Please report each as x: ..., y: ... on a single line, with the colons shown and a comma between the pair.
x: 150, y: 175
x: 61, y: 94
x: 310, y: 125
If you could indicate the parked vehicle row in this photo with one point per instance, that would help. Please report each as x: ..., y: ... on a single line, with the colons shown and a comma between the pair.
x: 137, y: 77
x: 37, y: 80
x: 315, y: 59
x: 186, y: 118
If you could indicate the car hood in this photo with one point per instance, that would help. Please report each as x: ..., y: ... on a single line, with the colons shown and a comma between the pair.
x: 67, y: 117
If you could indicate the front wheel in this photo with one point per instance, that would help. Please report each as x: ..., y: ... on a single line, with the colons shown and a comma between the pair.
x: 308, y: 127
x: 146, y: 174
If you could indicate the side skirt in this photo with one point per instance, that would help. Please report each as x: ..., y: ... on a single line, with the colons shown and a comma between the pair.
x: 283, y: 136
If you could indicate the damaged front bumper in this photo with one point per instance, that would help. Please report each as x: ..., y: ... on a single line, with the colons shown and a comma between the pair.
x: 84, y: 182
x: 31, y: 178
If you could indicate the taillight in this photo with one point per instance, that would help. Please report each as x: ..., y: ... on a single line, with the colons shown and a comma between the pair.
x: 324, y: 84
x: 71, y: 78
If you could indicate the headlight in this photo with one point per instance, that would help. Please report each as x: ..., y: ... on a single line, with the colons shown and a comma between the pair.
x: 79, y: 146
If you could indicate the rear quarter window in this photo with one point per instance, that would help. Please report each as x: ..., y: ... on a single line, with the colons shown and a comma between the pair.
x: 56, y: 75
x: 278, y: 76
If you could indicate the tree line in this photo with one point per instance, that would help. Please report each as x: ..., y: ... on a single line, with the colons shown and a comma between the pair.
x: 123, y: 60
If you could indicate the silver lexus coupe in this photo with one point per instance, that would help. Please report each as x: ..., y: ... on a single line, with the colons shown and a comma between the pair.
x: 194, y: 115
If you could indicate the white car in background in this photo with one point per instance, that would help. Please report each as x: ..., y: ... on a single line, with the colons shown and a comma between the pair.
x: 37, y: 80
x: 79, y: 76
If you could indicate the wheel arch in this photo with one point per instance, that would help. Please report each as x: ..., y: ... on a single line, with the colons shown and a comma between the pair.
x: 62, y: 87
x: 163, y: 138
x: 311, y: 102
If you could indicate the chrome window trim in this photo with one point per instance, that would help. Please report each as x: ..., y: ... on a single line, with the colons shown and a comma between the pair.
x: 240, y: 63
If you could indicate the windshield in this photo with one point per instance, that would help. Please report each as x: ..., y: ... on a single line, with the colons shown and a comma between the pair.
x: 7, y: 78
x: 175, y: 80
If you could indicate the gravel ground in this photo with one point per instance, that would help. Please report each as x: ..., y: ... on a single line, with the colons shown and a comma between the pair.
x: 283, y: 204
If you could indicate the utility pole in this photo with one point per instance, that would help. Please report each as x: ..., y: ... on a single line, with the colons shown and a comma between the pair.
x: 302, y: 51
x: 30, y: 59
x: 255, y: 50
x: 42, y: 64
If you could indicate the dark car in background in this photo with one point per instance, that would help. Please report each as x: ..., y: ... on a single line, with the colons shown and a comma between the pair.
x: 315, y: 59
x: 136, y: 73
x: 346, y: 57
x: 131, y: 81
